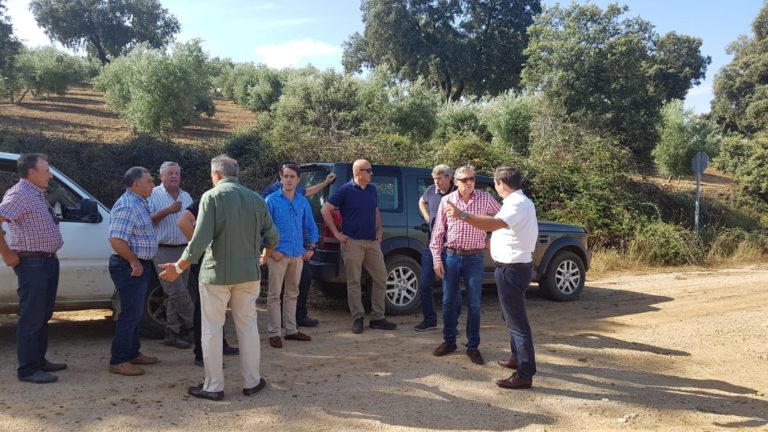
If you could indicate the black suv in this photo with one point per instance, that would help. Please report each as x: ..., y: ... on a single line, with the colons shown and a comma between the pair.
x: 560, y: 261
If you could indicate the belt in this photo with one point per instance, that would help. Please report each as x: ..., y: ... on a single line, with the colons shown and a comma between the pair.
x: 512, y: 265
x: 36, y: 254
x: 172, y: 246
x: 141, y: 260
x: 464, y: 252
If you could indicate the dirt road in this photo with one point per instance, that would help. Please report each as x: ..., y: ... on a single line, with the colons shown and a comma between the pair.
x: 676, y: 351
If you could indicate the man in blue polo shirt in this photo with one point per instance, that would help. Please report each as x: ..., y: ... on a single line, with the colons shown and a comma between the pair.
x: 360, y: 239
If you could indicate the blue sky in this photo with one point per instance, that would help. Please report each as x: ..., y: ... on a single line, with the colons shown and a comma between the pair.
x: 297, y: 32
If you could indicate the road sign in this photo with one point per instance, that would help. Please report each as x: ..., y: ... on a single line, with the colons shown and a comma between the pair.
x: 700, y: 162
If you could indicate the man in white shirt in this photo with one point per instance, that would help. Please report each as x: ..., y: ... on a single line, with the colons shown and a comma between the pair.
x: 166, y: 204
x: 513, y: 242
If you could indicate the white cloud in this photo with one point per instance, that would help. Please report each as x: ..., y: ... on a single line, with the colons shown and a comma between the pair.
x: 24, y: 25
x: 294, y: 53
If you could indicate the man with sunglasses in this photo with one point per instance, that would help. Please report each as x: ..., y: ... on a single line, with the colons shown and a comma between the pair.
x: 458, y: 251
x: 360, y: 238
x: 35, y: 238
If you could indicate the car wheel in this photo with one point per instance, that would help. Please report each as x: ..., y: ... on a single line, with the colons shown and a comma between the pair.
x: 402, y: 292
x: 154, y: 319
x: 564, y: 279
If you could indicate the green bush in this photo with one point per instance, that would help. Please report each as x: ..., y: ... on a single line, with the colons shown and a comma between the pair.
x: 659, y: 243
x: 747, y: 159
x: 508, y: 118
x: 467, y: 148
x: 682, y: 134
x: 460, y: 117
x: 158, y: 92
x: 44, y: 71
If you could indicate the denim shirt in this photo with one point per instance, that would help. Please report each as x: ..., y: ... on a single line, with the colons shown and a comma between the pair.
x: 293, y: 218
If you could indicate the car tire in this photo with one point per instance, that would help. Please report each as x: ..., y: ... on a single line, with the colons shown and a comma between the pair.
x: 154, y: 319
x: 402, y: 291
x: 565, y: 276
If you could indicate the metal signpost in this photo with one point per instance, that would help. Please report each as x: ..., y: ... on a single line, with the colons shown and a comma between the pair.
x: 699, y: 164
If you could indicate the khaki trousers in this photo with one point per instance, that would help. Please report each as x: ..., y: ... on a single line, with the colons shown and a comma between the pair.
x: 358, y: 254
x: 288, y: 269
x: 213, y: 307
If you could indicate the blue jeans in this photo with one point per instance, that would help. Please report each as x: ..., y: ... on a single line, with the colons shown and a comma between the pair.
x: 470, y: 268
x: 426, y: 284
x: 38, y: 280
x: 133, y: 292
x: 511, y: 284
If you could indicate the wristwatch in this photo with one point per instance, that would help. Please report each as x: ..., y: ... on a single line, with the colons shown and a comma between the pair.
x: 179, y: 270
x: 463, y: 215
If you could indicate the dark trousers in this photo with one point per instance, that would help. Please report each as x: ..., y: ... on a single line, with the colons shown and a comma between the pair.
x: 426, y: 286
x: 133, y: 292
x: 511, y: 285
x: 301, y: 300
x: 38, y: 280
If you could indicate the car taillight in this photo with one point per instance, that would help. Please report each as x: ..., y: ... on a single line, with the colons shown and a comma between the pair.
x: 327, y: 240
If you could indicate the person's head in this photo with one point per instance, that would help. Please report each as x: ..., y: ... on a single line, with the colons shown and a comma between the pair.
x: 507, y: 179
x: 222, y: 167
x: 289, y: 176
x: 442, y: 176
x: 170, y: 175
x: 138, y: 180
x: 34, y: 168
x: 465, y: 179
x: 362, y: 172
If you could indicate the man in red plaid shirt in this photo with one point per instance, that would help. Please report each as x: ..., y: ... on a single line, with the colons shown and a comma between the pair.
x: 458, y: 251
x: 35, y: 238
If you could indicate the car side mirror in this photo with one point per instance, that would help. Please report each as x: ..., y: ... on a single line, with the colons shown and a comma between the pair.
x: 89, y: 211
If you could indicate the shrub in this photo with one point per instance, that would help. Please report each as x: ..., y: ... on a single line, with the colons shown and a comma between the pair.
x: 460, y: 117
x: 682, y: 134
x: 44, y: 71
x: 747, y: 158
x: 658, y: 243
x: 467, y: 148
x: 508, y: 118
x: 158, y: 92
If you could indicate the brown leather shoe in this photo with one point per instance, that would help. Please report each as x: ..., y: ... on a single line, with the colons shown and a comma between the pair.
x: 126, y: 369
x: 275, y: 342
x: 515, y: 382
x: 443, y: 349
x: 298, y: 336
x: 144, y: 360
x: 510, y: 363
x: 475, y: 356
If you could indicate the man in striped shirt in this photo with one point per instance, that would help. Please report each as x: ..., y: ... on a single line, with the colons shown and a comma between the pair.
x: 35, y: 238
x: 166, y: 204
x: 458, y: 251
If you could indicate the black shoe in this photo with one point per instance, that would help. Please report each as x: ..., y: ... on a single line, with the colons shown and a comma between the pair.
x: 200, y: 363
x: 307, y: 322
x: 198, y: 392
x: 174, y: 340
x: 252, y: 391
x: 39, y: 377
x: 382, y: 324
x: 425, y: 326
x: 443, y: 349
x: 475, y: 356
x: 53, y: 367
x: 230, y: 350
x: 357, y: 326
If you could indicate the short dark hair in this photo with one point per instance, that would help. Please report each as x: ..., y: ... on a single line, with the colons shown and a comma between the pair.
x: 509, y: 175
x: 133, y: 174
x: 291, y: 166
x: 27, y: 161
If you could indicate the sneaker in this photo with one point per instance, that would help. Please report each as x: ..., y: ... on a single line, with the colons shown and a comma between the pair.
x: 425, y: 326
x: 357, y: 326
x: 382, y: 324
x: 126, y: 369
x: 39, y: 377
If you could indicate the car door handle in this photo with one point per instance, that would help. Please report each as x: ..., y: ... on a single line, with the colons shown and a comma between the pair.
x: 423, y: 228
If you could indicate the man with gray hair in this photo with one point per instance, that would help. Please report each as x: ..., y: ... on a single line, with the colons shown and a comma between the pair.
x: 134, y: 243
x: 442, y: 175
x: 166, y: 204
x: 231, y: 223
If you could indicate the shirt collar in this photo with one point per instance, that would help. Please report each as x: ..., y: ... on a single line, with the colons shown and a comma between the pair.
x: 28, y: 184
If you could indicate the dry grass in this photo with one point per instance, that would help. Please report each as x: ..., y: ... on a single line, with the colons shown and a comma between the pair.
x: 82, y: 115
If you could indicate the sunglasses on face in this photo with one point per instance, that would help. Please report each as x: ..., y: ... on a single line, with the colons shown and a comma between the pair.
x: 466, y: 179
x: 368, y: 170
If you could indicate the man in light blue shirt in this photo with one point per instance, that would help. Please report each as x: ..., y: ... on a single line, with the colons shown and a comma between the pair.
x: 292, y: 216
x: 166, y: 204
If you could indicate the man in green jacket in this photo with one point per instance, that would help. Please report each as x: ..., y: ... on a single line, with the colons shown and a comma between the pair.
x: 232, y: 221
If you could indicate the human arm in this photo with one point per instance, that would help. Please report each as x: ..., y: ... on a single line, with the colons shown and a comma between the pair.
x: 186, y: 224
x: 379, y: 227
x: 310, y: 229
x: 437, y: 240
x: 10, y: 257
x: 330, y: 178
x: 121, y: 247
x: 424, y: 209
x: 326, y: 211
x: 483, y: 222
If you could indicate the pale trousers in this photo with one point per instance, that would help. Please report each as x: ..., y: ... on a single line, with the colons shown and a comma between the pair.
x: 213, y: 308
x: 358, y: 254
x: 288, y: 269
x: 179, y: 306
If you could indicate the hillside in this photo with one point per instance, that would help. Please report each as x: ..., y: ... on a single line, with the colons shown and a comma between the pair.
x: 82, y: 115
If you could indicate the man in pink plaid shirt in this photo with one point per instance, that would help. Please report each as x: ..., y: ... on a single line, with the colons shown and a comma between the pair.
x: 458, y: 251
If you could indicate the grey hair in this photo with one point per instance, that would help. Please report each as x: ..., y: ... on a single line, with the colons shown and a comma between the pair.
x: 225, y: 165
x: 133, y: 174
x: 443, y: 170
x: 167, y: 164
x: 465, y: 168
